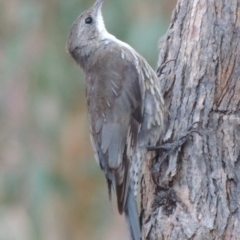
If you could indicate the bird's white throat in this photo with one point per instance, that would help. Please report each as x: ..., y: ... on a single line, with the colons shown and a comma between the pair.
x: 105, y: 35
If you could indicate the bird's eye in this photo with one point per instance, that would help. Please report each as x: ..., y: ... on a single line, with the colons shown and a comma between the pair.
x: 88, y: 20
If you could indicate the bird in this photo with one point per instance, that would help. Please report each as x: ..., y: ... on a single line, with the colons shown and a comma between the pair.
x: 125, y: 107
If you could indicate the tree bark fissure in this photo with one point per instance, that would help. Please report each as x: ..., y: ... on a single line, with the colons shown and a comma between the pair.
x: 197, y: 194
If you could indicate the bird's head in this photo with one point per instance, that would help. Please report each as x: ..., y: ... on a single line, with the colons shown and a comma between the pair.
x: 87, y: 28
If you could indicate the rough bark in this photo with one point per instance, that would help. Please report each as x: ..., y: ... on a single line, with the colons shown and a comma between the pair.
x: 195, y: 192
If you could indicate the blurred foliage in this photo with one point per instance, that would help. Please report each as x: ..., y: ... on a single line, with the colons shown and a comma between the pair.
x: 50, y: 186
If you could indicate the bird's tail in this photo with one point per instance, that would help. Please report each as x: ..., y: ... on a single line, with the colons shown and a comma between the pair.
x: 131, y: 214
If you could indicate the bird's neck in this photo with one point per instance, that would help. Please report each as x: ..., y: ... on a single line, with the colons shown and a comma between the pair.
x: 92, y: 53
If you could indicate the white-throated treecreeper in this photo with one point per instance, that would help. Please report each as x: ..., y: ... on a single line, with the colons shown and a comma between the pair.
x: 125, y: 106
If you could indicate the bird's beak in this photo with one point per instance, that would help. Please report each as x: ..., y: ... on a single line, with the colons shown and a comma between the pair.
x: 97, y: 6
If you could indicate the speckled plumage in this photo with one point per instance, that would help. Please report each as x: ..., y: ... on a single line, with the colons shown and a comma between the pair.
x: 125, y: 107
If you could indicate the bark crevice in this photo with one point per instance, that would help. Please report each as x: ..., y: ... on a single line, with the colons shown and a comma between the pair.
x: 196, y: 190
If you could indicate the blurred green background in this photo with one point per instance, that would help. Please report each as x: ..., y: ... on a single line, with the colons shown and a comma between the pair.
x: 50, y: 186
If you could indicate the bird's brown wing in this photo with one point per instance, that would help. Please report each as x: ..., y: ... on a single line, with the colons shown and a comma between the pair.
x: 115, y: 112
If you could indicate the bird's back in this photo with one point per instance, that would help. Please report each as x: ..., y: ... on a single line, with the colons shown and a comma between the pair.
x: 122, y: 89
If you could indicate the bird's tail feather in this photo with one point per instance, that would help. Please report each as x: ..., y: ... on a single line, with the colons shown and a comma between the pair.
x: 131, y: 214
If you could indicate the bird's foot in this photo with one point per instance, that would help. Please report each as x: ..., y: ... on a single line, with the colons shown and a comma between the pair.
x: 167, y: 148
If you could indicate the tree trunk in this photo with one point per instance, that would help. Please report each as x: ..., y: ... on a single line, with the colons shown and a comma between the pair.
x: 195, y: 192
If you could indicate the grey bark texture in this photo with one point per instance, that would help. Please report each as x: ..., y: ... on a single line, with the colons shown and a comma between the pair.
x: 195, y: 192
